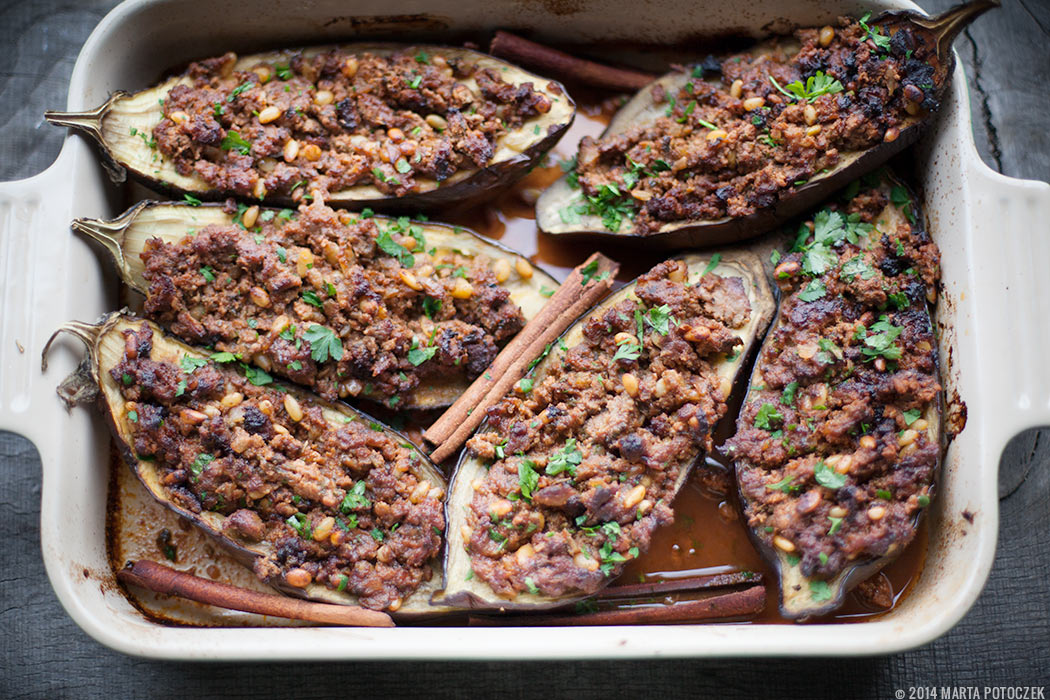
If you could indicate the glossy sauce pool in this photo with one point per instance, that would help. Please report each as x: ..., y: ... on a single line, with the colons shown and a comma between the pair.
x: 707, y: 536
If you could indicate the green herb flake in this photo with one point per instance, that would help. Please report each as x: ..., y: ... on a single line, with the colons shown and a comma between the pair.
x: 311, y: 298
x: 355, y: 498
x: 528, y: 478
x: 828, y: 477
x: 912, y: 415
x: 200, y: 464
x: 324, y: 343
x: 191, y: 200
x: 836, y: 524
x: 766, y: 417
x: 819, y: 591
x: 813, y: 291
x: 565, y: 459
x: 234, y: 142
x: 884, y: 494
x: 815, y: 86
x: 787, y: 397
x: 208, y: 273
x: 417, y: 355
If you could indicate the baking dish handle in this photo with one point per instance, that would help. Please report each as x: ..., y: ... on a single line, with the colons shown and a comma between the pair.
x: 37, y: 278
x: 1011, y: 300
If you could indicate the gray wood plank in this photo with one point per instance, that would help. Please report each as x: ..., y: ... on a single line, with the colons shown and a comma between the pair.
x: 1005, y: 639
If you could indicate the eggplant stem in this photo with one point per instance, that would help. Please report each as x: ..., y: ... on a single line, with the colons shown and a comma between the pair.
x: 89, y: 121
x: 947, y: 25
x: 86, y: 332
x: 110, y: 232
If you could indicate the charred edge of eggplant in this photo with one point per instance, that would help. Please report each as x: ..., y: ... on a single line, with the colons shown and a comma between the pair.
x: 761, y: 296
x: 475, y: 184
x: 858, y: 572
x: 90, y: 371
x: 704, y: 233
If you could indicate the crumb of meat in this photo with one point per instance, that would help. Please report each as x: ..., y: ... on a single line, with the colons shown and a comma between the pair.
x: 715, y: 155
x: 605, y: 462
x: 841, y: 389
x: 263, y: 294
x: 341, y: 506
x: 387, y: 121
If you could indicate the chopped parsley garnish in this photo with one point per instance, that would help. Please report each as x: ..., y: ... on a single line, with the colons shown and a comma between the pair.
x: 311, y: 298
x: 659, y: 319
x: 609, y: 204
x: 857, y: 266
x: 180, y: 389
x: 189, y: 364
x: 784, y: 485
x: 787, y: 397
x: 627, y: 351
x: 377, y: 534
x: 819, y: 591
x: 528, y: 478
x: 282, y: 254
x: 355, y: 498
x: 323, y: 343
x: 565, y: 459
x: 884, y: 494
x: 828, y: 477
x: 301, y: 524
x: 257, y: 376
x: 418, y: 355
x: 207, y: 273
x: 880, y: 340
x: 912, y: 415
x: 815, y: 86
x: 388, y: 245
x: 531, y: 585
x: 431, y: 306
x: 900, y: 198
x: 234, y: 141
x: 133, y: 416
x: 590, y: 272
x: 881, y: 41
x: 836, y: 523
x: 284, y: 72
x: 715, y: 260
x: 766, y: 417
x: 813, y: 291
x: 525, y: 385
x: 191, y: 200
x: 127, y: 379
x: 899, y: 300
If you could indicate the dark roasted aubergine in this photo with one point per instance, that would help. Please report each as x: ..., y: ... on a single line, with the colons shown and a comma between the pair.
x: 322, y: 501
x: 703, y: 157
x: 396, y: 126
x: 839, y: 439
x: 395, y: 311
x: 577, y: 466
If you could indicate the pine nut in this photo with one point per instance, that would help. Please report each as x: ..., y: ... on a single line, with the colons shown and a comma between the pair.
x: 500, y: 508
x: 304, y: 262
x: 660, y: 390
x: 844, y: 464
x: 716, y: 134
x: 876, y: 512
x: 753, y: 103
x: 813, y: 130
x: 827, y: 35
x: 298, y: 578
x: 920, y: 424
x: 524, y: 553
x: 501, y: 268
x: 867, y: 442
x: 837, y: 512
x: 179, y: 117
x: 349, y: 69
x: 912, y: 108
x: 263, y: 71
x: 193, y: 417
x: 908, y: 437
x: 250, y: 216
x: 464, y: 532
x: 324, y: 529
x: 269, y: 114
x: 736, y: 89
x: 278, y: 428
x: 259, y: 297
x: 810, y: 114
x: 232, y: 399
x: 324, y: 97
x: 585, y: 562
x: 264, y: 362
x: 891, y: 134
x: 630, y: 384
x: 784, y: 544
x: 410, y: 280
x: 395, y: 134
x: 462, y: 289
x: 259, y: 190
x: 337, y: 537
x: 634, y: 496
x: 523, y: 267
x: 395, y: 605
x: 311, y: 152
x: 678, y: 274
x: 436, y: 121
x: 291, y: 150
x: 385, y: 554
x: 266, y: 408
x: 420, y: 491
x: 624, y: 337
x: 295, y: 412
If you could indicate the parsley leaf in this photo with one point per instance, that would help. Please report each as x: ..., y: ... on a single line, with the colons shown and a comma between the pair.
x: 301, y: 524
x: 819, y: 591
x: 767, y: 415
x: 234, y: 141
x: 189, y: 364
x: 881, y: 41
x: 715, y: 259
x: 813, y: 291
x: 528, y: 478
x: 388, y: 245
x: 784, y: 485
x: 565, y: 459
x: 200, y: 464
x: 355, y: 498
x: 323, y: 343
x: 257, y: 376
x: 788, y: 396
x: 828, y: 477
x: 880, y: 340
x: 816, y: 85
x: 311, y: 298
x: 912, y: 415
x: 418, y: 355
x: 431, y: 306
x: 207, y: 273
x: 659, y: 319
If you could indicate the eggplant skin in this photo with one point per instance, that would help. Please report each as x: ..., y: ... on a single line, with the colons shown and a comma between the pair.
x: 123, y: 128
x: 148, y: 225
x: 106, y: 343
x: 889, y: 115
x: 839, y: 439
x: 463, y: 587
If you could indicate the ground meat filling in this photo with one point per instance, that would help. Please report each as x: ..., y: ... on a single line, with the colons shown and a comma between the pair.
x: 338, y: 120
x: 832, y: 453
x: 733, y: 145
x: 585, y: 464
x: 340, y: 506
x: 320, y: 298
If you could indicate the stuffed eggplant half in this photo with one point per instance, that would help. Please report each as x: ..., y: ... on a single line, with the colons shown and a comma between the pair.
x: 729, y: 148
x: 396, y: 311
x: 578, y: 465
x: 322, y: 501
x: 839, y: 439
x: 406, y: 127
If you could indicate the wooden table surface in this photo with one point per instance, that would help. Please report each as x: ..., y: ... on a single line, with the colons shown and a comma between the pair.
x: 1003, y: 641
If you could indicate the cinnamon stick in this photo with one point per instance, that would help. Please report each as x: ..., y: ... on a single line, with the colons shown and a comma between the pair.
x: 162, y: 579
x: 693, y: 583
x: 739, y: 604
x: 579, y: 292
x: 565, y: 66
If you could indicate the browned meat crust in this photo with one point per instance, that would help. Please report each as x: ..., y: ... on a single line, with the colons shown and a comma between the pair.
x: 831, y: 451
x: 339, y: 505
x: 584, y: 464
x: 317, y: 297
x: 338, y: 120
x: 730, y: 146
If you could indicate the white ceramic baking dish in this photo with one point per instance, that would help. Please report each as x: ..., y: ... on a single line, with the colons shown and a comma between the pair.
x: 993, y: 318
